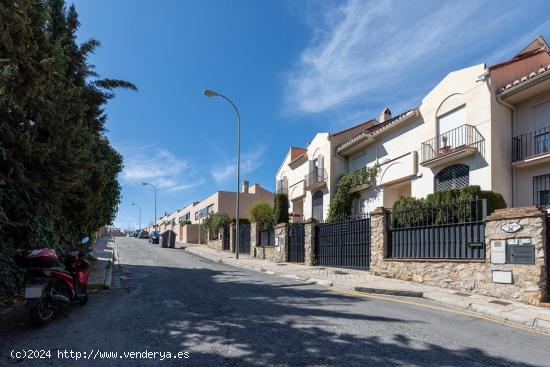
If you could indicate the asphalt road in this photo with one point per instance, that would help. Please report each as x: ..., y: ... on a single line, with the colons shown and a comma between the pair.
x: 172, y: 301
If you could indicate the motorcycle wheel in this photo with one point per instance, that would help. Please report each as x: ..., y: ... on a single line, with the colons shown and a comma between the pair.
x: 42, y: 311
x: 84, y: 299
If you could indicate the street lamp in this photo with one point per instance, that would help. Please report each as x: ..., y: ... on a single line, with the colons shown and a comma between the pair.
x: 211, y: 93
x: 139, y: 206
x: 154, y: 187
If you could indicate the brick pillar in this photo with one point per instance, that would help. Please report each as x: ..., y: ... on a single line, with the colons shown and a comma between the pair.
x: 378, y: 240
x: 232, y: 237
x: 253, y: 238
x: 309, y: 242
x: 281, y: 242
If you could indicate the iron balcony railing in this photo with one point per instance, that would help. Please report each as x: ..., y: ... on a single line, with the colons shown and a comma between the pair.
x: 317, y: 176
x: 282, y: 190
x: 452, y: 141
x: 531, y: 144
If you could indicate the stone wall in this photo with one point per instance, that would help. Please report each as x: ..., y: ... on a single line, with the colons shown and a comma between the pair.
x: 529, y: 281
x: 309, y: 242
x: 281, y: 243
x: 253, y: 238
x: 217, y: 243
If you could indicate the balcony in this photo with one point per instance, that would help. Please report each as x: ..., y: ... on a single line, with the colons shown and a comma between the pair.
x: 531, y: 148
x: 452, y: 145
x: 282, y: 190
x: 316, y: 179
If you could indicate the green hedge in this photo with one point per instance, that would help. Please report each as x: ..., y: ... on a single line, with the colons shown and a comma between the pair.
x: 449, y: 206
x: 262, y: 215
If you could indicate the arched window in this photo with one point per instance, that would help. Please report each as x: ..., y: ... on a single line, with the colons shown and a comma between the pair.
x: 452, y: 177
x: 317, y: 206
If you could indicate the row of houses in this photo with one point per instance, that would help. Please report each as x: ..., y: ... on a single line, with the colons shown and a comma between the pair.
x: 481, y: 125
x: 185, y: 222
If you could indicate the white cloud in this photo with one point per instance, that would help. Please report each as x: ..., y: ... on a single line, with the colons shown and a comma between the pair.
x: 249, y: 162
x: 363, y: 50
x: 157, y: 166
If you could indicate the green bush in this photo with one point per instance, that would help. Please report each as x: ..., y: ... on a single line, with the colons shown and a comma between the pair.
x: 215, y: 222
x: 280, y: 209
x: 340, y: 205
x: 448, y: 206
x: 262, y: 215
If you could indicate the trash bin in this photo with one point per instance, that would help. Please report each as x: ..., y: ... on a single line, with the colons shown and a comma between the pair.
x: 168, y: 239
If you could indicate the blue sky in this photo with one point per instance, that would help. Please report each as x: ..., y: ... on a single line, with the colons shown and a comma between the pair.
x: 294, y: 68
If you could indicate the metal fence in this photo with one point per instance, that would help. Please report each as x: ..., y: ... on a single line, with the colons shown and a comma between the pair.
x: 244, y: 238
x: 453, y: 231
x: 296, y: 242
x: 226, y: 239
x: 344, y: 243
x: 530, y: 144
x: 267, y: 237
x: 452, y: 141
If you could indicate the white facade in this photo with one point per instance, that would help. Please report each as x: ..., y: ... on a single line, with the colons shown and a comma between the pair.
x: 309, y: 175
x: 464, y: 132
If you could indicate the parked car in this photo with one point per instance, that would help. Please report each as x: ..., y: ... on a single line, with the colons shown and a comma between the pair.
x: 143, y: 234
x: 154, y: 237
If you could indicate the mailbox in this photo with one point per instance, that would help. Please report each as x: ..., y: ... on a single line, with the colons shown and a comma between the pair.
x: 524, y: 254
x: 498, y: 252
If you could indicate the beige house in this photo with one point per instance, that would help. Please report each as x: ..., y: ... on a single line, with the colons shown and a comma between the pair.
x: 218, y: 202
x: 486, y: 126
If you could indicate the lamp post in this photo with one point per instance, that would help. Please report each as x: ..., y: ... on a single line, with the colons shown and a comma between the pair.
x: 211, y: 93
x: 155, y: 188
x: 139, y: 206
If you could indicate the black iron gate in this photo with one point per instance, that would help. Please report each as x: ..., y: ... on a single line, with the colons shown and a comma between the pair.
x: 344, y: 243
x: 226, y: 238
x: 244, y: 238
x: 296, y: 237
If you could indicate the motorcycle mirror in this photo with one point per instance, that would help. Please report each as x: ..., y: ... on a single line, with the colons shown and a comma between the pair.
x: 85, y: 240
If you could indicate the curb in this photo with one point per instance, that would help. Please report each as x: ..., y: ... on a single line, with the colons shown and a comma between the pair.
x: 390, y: 292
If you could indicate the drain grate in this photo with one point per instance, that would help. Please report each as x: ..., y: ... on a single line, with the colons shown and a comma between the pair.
x: 462, y: 294
x: 340, y: 272
x: 500, y: 303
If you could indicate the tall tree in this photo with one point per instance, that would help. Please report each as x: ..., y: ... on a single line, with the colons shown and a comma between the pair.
x: 58, y: 171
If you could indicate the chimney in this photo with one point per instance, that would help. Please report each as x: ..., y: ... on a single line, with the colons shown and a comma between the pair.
x: 245, y: 186
x: 385, y: 115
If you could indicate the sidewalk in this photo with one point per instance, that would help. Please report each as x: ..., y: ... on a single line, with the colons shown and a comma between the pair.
x: 362, y: 281
x: 101, y: 274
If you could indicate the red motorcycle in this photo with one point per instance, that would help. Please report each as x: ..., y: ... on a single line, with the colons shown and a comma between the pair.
x: 54, y: 281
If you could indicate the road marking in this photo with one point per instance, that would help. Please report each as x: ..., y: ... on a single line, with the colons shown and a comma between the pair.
x: 463, y: 313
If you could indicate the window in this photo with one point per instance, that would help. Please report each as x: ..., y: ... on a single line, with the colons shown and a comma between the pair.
x: 541, y: 190
x: 196, y: 215
x: 452, y: 177
x: 210, y: 209
x: 317, y: 206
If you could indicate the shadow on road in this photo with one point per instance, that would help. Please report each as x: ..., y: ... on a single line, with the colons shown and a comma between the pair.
x: 225, y: 316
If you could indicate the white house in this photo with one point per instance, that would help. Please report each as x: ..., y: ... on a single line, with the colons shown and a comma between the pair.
x: 309, y: 175
x: 486, y: 126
